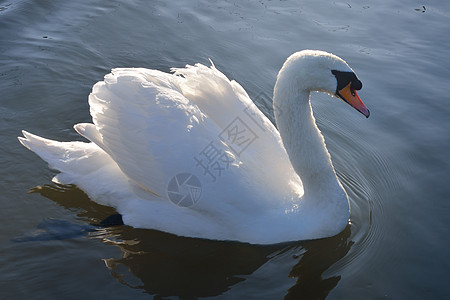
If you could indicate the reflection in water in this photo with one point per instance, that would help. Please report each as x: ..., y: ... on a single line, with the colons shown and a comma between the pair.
x: 319, y: 256
x: 166, y: 265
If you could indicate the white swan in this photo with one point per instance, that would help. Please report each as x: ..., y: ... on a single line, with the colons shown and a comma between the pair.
x: 190, y: 154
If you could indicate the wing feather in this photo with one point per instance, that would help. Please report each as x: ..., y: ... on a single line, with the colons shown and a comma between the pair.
x: 153, y: 124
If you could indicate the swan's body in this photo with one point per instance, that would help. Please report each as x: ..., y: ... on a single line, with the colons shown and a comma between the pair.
x: 152, y: 131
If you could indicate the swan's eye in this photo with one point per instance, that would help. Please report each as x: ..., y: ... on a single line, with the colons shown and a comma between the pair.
x: 356, y: 83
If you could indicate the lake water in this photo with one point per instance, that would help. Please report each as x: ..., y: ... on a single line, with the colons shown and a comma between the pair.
x: 394, y: 165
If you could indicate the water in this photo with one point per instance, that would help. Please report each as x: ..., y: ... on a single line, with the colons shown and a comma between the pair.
x: 393, y: 165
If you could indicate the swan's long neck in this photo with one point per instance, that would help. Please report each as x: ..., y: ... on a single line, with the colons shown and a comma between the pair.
x: 302, y: 139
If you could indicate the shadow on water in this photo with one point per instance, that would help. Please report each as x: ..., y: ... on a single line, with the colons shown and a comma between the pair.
x: 164, y: 265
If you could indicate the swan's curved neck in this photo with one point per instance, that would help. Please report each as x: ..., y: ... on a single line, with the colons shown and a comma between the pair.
x: 301, y: 137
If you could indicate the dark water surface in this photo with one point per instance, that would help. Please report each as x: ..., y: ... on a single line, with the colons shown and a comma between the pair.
x: 394, y: 165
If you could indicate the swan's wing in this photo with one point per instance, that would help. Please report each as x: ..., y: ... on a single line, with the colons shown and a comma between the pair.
x: 147, y: 126
x: 156, y: 125
x: 244, y: 128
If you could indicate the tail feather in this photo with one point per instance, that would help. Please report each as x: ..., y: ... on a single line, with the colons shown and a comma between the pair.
x: 83, y: 164
x: 67, y: 157
x: 46, y: 149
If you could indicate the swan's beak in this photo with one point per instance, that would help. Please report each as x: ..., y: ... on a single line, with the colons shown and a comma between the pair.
x: 351, y: 97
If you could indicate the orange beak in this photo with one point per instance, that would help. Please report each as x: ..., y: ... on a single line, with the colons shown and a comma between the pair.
x: 351, y: 97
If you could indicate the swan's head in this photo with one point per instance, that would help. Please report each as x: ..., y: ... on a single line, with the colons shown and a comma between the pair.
x: 325, y: 72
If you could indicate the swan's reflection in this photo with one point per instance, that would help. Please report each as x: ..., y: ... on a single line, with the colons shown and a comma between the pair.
x: 166, y: 265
